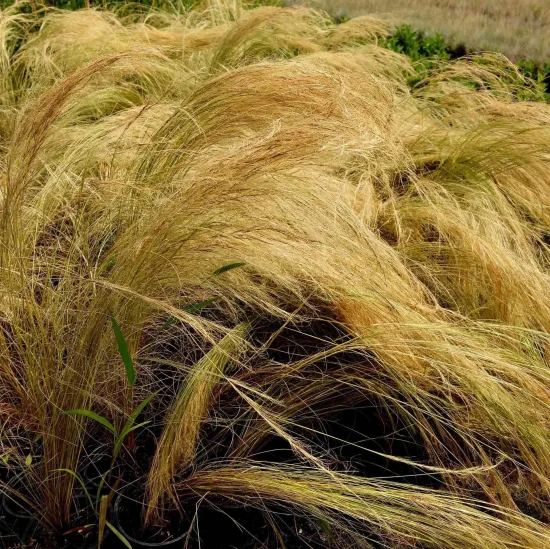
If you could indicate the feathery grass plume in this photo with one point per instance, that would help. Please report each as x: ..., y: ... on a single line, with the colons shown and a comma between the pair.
x: 271, y: 32
x: 223, y: 11
x: 67, y: 41
x: 490, y: 72
x: 15, y: 26
x: 406, y: 515
x: 358, y: 30
x: 178, y: 445
x: 404, y: 221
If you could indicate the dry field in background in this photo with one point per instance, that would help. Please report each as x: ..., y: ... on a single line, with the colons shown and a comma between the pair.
x: 519, y: 29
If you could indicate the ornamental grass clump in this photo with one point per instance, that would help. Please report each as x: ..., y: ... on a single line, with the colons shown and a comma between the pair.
x: 332, y: 275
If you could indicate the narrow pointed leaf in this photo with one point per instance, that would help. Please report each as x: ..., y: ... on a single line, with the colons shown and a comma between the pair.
x: 124, y: 352
x: 138, y: 409
x: 169, y: 321
x: 134, y: 415
x: 81, y: 482
x: 120, y: 440
x: 226, y: 268
x: 101, y: 484
x: 118, y: 535
x: 133, y: 428
x: 129, y: 425
x: 91, y: 415
x: 198, y: 306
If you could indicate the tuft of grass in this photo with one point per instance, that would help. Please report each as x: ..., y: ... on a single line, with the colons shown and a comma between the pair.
x: 407, y: 515
x: 375, y: 227
x: 178, y: 446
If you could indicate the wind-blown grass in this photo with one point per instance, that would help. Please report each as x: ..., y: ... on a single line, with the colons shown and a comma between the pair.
x: 142, y: 154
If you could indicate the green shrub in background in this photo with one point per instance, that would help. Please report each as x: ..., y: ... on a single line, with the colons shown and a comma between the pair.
x: 416, y: 44
x: 423, y: 48
x: 539, y: 73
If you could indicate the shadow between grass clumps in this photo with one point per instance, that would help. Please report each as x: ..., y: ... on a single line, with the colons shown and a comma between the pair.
x: 357, y: 437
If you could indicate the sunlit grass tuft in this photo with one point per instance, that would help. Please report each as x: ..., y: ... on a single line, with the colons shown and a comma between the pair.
x: 223, y: 180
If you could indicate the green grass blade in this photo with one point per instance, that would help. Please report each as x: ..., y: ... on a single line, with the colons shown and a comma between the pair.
x: 124, y: 352
x: 169, y: 321
x: 81, y: 482
x: 118, y: 535
x: 91, y: 415
x: 102, y: 483
x: 138, y: 409
x: 226, y: 268
x: 129, y: 425
x: 198, y: 306
x: 134, y: 415
x: 120, y: 439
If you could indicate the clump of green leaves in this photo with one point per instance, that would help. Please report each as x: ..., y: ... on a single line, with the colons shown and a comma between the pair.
x: 416, y: 44
x: 426, y: 50
x: 101, y: 502
x: 538, y: 73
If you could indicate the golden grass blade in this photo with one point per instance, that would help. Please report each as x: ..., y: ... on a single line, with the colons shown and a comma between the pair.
x: 177, y: 447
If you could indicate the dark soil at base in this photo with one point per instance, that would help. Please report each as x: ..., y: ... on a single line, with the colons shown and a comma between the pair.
x: 356, y: 435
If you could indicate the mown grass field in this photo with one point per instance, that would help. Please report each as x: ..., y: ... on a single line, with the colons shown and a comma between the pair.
x: 267, y: 283
x: 520, y: 29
